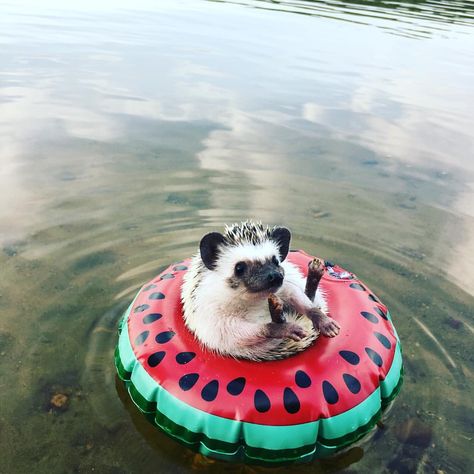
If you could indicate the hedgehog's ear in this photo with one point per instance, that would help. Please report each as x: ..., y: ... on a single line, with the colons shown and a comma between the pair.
x: 209, y: 248
x: 282, y: 236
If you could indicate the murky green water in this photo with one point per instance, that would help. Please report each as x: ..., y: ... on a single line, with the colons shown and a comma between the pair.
x: 129, y: 129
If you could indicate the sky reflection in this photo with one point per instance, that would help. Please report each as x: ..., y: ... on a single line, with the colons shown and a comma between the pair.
x: 274, y: 88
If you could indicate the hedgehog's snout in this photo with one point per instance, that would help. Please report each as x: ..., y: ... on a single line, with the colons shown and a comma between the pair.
x: 263, y: 277
x: 275, y: 278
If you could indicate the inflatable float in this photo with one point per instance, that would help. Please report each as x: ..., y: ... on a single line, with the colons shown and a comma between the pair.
x: 297, y: 409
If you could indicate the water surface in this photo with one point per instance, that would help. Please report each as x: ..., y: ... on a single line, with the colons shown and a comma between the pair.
x: 129, y: 129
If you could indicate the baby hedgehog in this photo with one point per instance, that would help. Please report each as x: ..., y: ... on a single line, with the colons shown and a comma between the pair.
x: 234, y: 280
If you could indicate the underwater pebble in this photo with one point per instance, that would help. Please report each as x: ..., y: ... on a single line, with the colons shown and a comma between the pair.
x: 59, y: 402
x: 453, y: 323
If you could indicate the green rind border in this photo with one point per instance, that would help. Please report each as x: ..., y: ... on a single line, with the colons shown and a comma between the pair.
x: 232, y: 440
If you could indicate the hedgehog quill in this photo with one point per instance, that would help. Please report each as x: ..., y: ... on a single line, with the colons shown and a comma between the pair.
x: 242, y: 298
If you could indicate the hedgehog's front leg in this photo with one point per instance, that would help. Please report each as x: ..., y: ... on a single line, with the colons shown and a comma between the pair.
x: 275, y: 305
x: 315, y: 272
x: 279, y: 328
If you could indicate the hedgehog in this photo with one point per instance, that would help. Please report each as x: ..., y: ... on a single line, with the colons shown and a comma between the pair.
x: 242, y: 299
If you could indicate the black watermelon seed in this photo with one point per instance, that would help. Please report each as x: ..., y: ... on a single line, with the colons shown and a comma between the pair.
x: 290, y: 401
x: 370, y: 317
x: 330, y: 393
x: 209, y: 392
x: 151, y: 318
x: 141, y: 338
x: 380, y: 312
x: 261, y: 401
x: 164, y: 336
x: 141, y: 308
x: 350, y: 357
x: 178, y: 268
x: 156, y: 358
x: 187, y: 382
x: 383, y: 340
x: 302, y: 379
x: 357, y: 286
x: 156, y: 296
x: 352, y: 383
x: 373, y: 298
x: 149, y: 287
x: 185, y: 357
x: 167, y: 276
x: 374, y: 356
x: 236, y: 386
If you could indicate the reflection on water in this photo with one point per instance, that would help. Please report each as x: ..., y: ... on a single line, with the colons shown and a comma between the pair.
x: 411, y: 18
x: 127, y: 130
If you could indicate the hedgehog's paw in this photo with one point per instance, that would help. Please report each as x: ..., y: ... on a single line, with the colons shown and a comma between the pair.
x: 329, y: 327
x: 316, y: 268
x: 285, y: 330
x: 295, y: 332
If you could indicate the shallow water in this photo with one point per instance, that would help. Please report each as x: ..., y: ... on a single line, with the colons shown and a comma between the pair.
x: 129, y: 129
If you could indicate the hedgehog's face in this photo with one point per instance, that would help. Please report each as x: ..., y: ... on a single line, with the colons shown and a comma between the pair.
x: 255, y: 268
x: 257, y: 276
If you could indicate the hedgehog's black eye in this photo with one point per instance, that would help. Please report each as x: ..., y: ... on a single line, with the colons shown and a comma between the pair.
x: 240, y: 268
x: 275, y: 261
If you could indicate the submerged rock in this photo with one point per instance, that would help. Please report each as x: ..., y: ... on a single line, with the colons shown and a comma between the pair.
x: 55, y: 394
x: 453, y: 323
x: 59, y: 402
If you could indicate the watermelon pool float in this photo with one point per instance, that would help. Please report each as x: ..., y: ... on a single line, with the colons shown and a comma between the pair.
x: 293, y: 410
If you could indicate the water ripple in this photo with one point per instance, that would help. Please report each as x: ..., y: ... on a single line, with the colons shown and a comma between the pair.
x: 419, y: 19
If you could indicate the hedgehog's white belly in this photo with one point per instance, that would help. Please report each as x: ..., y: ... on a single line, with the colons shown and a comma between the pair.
x: 258, y: 313
x: 231, y: 321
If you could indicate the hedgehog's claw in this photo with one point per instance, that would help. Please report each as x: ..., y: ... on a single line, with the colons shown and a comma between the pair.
x: 329, y: 327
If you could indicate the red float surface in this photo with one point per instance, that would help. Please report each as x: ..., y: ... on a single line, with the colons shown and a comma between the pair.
x: 157, y: 344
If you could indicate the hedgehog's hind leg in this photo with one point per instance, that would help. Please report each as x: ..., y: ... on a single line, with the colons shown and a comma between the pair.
x: 315, y: 272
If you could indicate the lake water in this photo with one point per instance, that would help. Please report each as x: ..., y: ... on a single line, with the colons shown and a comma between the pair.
x: 129, y: 129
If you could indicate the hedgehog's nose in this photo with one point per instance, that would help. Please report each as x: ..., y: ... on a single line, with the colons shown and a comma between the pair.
x: 275, y: 278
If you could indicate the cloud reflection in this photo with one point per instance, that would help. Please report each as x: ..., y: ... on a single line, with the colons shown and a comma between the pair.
x: 280, y: 100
